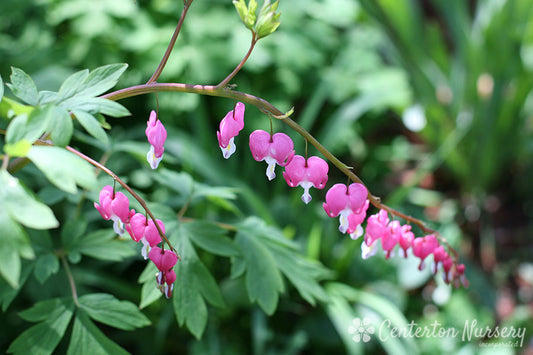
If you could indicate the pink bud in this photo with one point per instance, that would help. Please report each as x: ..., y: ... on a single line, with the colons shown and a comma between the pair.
x: 422, y: 247
x: 377, y: 227
x: 312, y: 172
x: 230, y: 126
x: 157, y: 135
x: 164, y: 260
x: 406, y: 238
x: 390, y: 239
x: 276, y: 149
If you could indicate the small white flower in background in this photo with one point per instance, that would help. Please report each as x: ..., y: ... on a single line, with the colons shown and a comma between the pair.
x: 361, y: 330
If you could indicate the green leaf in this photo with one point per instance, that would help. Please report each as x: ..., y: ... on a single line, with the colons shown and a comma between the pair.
x: 263, y: 278
x: 43, y: 310
x: 103, y: 245
x: 194, y: 286
x: 8, y: 294
x: 88, y: 339
x: 91, y: 125
x: 30, y: 127
x: 63, y: 168
x: 72, y: 85
x: 211, y: 238
x: 23, y: 207
x: 18, y: 149
x: 23, y: 86
x: 1, y: 88
x: 12, y: 235
x: 106, y: 309
x: 95, y: 105
x: 43, y: 338
x: 60, y: 127
x: 45, y: 266
x: 102, y: 79
x: 149, y: 294
x: 10, y: 108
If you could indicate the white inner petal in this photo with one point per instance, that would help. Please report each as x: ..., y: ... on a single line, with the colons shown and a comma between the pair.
x: 230, y: 149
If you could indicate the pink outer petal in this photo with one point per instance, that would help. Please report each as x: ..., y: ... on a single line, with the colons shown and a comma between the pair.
x: 281, y: 148
x: 317, y: 172
x: 389, y: 240
x: 120, y: 206
x: 164, y: 260
x: 157, y: 137
x: 295, y: 171
x: 151, y: 234
x: 422, y: 247
x: 336, y: 200
x: 137, y: 226
x: 358, y: 194
x: 260, y: 144
x: 103, y: 211
x: 170, y: 277
x: 377, y: 227
x: 231, y: 125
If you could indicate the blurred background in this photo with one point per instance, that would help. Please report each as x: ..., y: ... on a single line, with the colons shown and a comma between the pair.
x: 430, y: 101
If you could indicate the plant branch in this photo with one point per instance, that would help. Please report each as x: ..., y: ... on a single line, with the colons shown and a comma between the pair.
x: 266, y: 106
x: 241, y: 64
x: 170, y: 47
x: 129, y: 189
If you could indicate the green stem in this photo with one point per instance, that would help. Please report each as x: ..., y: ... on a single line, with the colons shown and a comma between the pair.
x: 225, y: 82
x: 70, y: 279
x: 170, y: 47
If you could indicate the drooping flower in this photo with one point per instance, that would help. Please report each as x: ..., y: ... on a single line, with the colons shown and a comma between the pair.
x: 439, y: 254
x: 312, y: 172
x: 406, y: 239
x: 273, y: 149
x: 165, y: 282
x: 230, y: 126
x: 355, y: 220
x: 115, y: 206
x: 377, y: 227
x: 164, y: 260
x: 145, y: 231
x: 342, y: 201
x: 157, y: 135
x: 391, y: 239
x: 422, y: 247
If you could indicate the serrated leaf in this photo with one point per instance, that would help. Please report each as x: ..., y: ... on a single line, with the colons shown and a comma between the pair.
x: 43, y: 310
x: 60, y: 126
x: 63, y: 168
x: 102, y: 79
x: 43, y: 338
x: 88, y: 339
x: 23, y: 207
x: 106, y: 309
x: 47, y: 97
x: 103, y: 245
x: 23, y: 86
x: 45, y: 266
x: 91, y: 125
x: 72, y: 85
x: 211, y: 238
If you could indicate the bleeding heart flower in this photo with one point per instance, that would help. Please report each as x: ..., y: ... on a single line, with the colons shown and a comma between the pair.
x: 355, y: 220
x: 342, y: 201
x: 163, y: 259
x: 230, y: 126
x: 275, y: 149
x: 157, y: 135
x: 145, y: 231
x: 115, y: 206
x: 422, y: 247
x: 165, y: 282
x: 312, y: 172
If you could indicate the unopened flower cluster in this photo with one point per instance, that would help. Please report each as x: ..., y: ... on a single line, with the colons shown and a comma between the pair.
x: 348, y: 203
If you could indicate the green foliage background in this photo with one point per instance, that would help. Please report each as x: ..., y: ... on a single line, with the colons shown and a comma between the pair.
x: 350, y: 69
